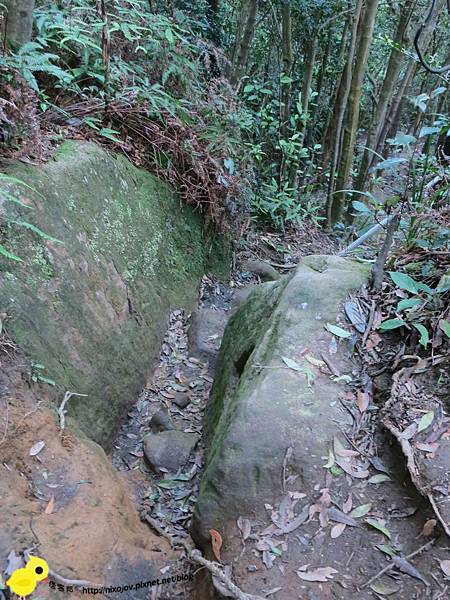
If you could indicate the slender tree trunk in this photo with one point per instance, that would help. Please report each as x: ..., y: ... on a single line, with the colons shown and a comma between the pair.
x: 329, y: 129
x: 351, y: 119
x: 288, y: 61
x: 386, y: 93
x: 19, y: 22
x: 320, y: 82
x: 341, y: 103
x: 244, y: 35
x: 392, y: 121
x: 310, y: 61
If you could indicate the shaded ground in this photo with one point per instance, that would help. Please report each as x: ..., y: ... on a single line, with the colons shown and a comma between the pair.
x: 404, y: 518
x: 181, y: 384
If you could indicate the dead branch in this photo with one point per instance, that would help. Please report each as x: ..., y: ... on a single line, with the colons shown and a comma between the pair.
x: 369, y: 324
x: 72, y: 582
x: 393, y: 564
x: 224, y: 582
x: 61, y: 411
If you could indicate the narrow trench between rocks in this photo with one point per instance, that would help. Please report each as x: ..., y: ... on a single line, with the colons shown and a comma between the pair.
x: 164, y: 477
x: 173, y: 404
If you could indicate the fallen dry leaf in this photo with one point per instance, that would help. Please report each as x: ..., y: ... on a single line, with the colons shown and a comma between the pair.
x: 406, y: 567
x: 348, y: 504
x: 351, y: 469
x: 409, y: 432
x: 36, y: 448
x: 347, y: 453
x: 362, y: 401
x: 338, y: 516
x: 338, y: 530
x: 428, y: 528
x: 49, y: 509
x: 445, y: 566
x: 427, y: 447
x: 216, y: 542
x: 320, y: 574
x: 245, y: 527
x: 315, y: 361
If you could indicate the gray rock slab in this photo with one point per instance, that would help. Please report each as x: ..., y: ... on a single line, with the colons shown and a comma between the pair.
x: 259, y: 407
x: 169, y: 449
x: 205, y: 333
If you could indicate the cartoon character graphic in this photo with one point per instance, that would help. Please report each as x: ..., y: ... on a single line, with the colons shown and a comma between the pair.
x: 23, y: 581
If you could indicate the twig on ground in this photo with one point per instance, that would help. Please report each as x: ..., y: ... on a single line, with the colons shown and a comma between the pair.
x: 212, y: 567
x: 157, y: 527
x: 196, y: 556
x: 282, y: 266
x: 334, y: 370
x: 392, y: 564
x: 72, y: 582
x: 369, y: 324
x: 61, y: 411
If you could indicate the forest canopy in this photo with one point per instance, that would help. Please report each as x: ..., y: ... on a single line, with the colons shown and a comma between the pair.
x: 284, y: 110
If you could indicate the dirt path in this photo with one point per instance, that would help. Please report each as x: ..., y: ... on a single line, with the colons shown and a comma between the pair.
x: 400, y: 522
x: 175, y: 398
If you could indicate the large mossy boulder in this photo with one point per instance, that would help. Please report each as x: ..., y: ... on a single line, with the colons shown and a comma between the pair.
x: 260, y: 406
x: 93, y: 308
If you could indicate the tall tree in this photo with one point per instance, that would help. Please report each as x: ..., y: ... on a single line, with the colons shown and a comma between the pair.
x: 288, y: 61
x: 342, y: 96
x: 245, y: 31
x: 329, y: 130
x: 19, y: 21
x: 386, y: 92
x: 351, y: 119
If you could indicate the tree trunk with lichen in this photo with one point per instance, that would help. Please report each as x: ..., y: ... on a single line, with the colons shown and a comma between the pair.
x: 18, y: 22
x: 351, y: 119
x: 245, y: 31
x: 329, y: 130
x: 288, y: 61
x: 340, y: 107
x: 386, y: 93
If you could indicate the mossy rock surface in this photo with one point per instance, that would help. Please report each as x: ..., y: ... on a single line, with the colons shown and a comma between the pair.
x: 260, y: 407
x: 93, y: 309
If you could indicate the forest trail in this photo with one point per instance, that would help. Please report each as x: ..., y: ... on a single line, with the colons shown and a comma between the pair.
x: 380, y: 515
x: 201, y: 395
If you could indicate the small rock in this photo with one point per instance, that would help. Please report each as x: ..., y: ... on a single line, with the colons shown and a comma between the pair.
x: 261, y: 268
x: 161, y: 421
x: 205, y: 333
x: 169, y: 449
x: 181, y: 400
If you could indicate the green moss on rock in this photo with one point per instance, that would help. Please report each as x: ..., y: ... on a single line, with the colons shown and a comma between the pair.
x: 259, y: 407
x: 93, y: 309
